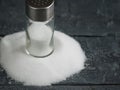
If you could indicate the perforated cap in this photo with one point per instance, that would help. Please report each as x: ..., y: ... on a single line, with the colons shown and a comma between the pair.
x: 40, y: 10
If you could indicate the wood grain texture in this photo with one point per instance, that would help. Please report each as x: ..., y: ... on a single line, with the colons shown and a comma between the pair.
x: 89, y: 17
x: 60, y: 88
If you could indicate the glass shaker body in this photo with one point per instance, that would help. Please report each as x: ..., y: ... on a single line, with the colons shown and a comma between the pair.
x: 39, y: 38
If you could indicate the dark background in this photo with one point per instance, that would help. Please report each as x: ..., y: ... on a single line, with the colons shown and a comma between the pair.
x: 94, y: 23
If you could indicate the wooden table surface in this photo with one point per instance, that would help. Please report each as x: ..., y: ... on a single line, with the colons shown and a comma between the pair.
x: 94, y: 23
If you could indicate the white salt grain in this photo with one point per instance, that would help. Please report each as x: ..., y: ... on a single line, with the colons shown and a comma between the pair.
x: 67, y: 59
x: 40, y: 36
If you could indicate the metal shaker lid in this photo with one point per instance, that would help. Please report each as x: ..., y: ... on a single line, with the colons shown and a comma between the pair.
x: 39, y: 10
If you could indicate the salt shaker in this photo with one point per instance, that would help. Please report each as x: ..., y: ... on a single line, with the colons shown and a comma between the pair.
x: 40, y: 28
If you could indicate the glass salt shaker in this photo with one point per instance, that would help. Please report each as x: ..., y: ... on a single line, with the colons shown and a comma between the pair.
x: 40, y: 28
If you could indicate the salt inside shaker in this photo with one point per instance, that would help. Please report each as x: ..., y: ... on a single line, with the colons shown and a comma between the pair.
x: 40, y: 28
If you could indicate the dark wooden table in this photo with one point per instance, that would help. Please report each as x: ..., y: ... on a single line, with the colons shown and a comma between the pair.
x: 94, y: 23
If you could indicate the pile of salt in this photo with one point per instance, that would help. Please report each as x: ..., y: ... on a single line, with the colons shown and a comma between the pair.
x: 67, y: 59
